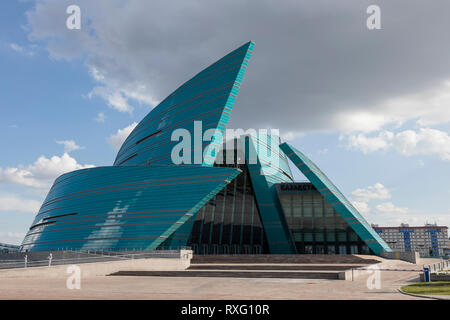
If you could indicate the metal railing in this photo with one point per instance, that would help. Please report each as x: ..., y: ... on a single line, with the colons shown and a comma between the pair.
x: 438, y: 266
x: 215, y: 249
x: 88, y: 256
x: 121, y: 250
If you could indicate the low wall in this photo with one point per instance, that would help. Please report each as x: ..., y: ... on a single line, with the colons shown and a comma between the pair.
x: 104, y: 268
x: 436, y: 277
x: 408, y: 256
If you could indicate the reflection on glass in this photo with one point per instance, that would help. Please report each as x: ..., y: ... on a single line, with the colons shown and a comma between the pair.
x: 313, y: 221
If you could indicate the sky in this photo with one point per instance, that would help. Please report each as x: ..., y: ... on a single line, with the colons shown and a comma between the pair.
x: 370, y: 107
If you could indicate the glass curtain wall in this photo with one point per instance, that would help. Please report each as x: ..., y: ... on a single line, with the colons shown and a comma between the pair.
x: 314, y: 224
x: 230, y: 223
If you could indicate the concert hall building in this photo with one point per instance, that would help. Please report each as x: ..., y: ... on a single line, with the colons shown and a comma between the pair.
x: 145, y: 202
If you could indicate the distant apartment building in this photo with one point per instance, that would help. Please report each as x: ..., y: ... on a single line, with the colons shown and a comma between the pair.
x: 429, y: 240
x: 6, y: 248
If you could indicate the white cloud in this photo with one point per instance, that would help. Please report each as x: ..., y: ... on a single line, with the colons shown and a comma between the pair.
x: 69, y: 145
x: 27, y: 51
x: 115, y: 98
x: 12, y: 237
x: 389, y: 208
x: 118, y: 97
x: 116, y: 140
x: 20, y: 177
x: 96, y: 74
x: 145, y: 66
x: 14, y: 203
x: 42, y: 172
x: 429, y: 107
x: 16, y: 47
x: 16, y: 235
x: 361, y: 206
x: 100, y: 117
x: 140, y: 94
x: 362, y: 198
x: 323, y: 151
x: 425, y: 141
x: 370, y: 144
x: 291, y: 135
x: 377, y: 191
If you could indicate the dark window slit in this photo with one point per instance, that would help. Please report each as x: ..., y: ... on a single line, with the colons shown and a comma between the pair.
x: 129, y: 158
x: 148, y: 137
x: 41, y: 224
x: 61, y: 215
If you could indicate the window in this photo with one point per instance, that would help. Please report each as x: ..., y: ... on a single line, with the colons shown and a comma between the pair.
x: 308, y: 237
x: 42, y: 224
x: 296, y: 207
x: 353, y: 236
x: 331, y: 236
x: 129, y: 158
x: 60, y: 216
x: 148, y: 137
x: 319, y: 237
x: 342, y: 236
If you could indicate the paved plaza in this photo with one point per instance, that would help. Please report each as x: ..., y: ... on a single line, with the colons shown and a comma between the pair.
x: 143, y: 287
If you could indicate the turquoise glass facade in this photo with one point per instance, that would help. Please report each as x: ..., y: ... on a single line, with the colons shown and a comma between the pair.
x: 146, y: 201
x: 122, y: 208
x: 337, y: 200
x: 265, y: 173
x: 207, y: 97
x: 140, y: 201
x: 316, y: 227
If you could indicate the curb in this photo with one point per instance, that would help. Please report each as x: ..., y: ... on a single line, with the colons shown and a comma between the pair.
x: 422, y: 296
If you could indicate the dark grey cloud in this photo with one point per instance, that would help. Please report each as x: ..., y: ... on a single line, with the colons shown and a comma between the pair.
x: 316, y: 67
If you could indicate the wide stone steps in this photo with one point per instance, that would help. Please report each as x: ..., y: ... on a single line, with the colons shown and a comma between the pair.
x: 286, y: 258
x: 265, y: 267
x: 329, y: 275
x: 329, y: 267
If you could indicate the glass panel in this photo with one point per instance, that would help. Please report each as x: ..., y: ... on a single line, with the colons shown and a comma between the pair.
x: 329, y: 222
x: 319, y: 223
x: 229, y: 222
x: 329, y: 211
x: 319, y: 236
x: 296, y: 206
x: 286, y: 204
x: 308, y: 237
x: 331, y: 236
x: 353, y: 236
x: 318, y: 210
x: 342, y: 236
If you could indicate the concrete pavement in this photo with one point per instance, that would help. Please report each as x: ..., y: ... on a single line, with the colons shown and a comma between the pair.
x: 141, y: 287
